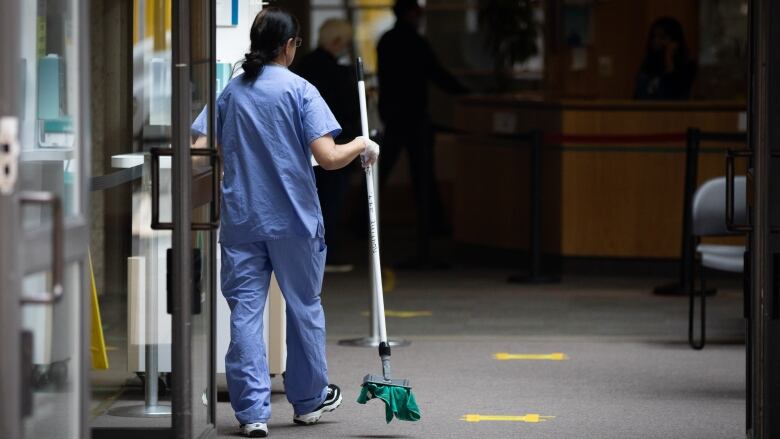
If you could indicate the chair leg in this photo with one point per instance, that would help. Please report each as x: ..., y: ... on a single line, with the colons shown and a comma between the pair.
x: 698, y: 345
x: 703, y: 298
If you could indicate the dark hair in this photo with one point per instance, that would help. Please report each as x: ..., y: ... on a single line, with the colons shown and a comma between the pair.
x: 271, y: 30
x: 674, y: 30
x: 401, y: 7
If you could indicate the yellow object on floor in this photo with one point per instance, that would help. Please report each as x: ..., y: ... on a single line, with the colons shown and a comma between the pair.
x: 388, y: 280
x: 557, y: 356
x: 98, y: 343
x: 402, y: 314
x: 531, y: 418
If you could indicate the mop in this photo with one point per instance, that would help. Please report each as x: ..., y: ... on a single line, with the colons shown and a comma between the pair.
x: 395, y: 393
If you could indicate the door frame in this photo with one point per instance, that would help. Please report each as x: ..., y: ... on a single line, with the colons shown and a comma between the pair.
x: 10, y: 364
x: 181, y: 211
x: 763, y: 329
x: 85, y: 173
x: 212, y: 144
x: 181, y: 181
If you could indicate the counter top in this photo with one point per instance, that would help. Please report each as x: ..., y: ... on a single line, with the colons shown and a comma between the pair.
x: 547, y: 102
x: 131, y: 160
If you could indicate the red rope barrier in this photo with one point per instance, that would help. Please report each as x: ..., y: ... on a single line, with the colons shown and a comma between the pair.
x: 612, y: 139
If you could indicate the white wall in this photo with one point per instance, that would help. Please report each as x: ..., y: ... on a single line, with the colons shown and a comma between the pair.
x: 233, y: 42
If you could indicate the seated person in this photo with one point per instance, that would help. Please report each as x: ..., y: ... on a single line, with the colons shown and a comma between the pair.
x: 667, y: 72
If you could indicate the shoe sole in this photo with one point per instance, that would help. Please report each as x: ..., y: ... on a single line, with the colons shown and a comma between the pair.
x: 255, y: 433
x: 324, y: 410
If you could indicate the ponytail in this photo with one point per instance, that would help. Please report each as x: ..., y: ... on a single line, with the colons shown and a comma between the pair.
x: 270, y: 32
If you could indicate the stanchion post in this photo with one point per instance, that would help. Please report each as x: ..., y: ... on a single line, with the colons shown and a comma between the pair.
x: 693, y: 144
x: 372, y: 340
x: 692, y: 147
x: 535, y: 271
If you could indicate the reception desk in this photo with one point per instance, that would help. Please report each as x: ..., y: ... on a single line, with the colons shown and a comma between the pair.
x: 598, y: 198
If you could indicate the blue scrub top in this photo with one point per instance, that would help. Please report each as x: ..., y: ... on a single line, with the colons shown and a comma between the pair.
x: 264, y: 129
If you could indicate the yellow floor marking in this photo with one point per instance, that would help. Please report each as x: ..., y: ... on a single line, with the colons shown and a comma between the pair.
x: 403, y: 314
x: 388, y: 280
x: 531, y: 418
x: 557, y: 356
x: 106, y: 403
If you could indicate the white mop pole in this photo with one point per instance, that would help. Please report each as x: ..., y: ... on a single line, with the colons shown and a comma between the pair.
x: 376, y: 266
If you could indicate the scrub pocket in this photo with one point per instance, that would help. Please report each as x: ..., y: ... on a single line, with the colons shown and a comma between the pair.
x: 299, y: 264
x: 320, y: 255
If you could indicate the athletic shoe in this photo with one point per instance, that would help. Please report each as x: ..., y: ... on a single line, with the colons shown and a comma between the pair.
x: 332, y: 401
x: 257, y: 429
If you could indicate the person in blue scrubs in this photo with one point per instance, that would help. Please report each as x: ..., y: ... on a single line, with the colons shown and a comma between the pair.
x: 269, y: 123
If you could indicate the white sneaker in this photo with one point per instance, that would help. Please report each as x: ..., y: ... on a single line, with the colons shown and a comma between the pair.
x: 332, y: 402
x: 256, y: 429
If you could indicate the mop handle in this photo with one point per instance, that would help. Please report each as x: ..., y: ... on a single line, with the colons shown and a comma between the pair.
x: 375, y: 263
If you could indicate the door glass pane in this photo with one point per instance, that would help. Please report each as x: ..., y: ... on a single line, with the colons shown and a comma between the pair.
x: 56, y: 364
x: 51, y: 145
x: 203, y: 242
x: 202, y: 362
x: 50, y: 102
x: 134, y: 392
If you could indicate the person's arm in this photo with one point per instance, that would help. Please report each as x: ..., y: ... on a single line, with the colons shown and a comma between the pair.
x: 331, y: 156
x: 201, y: 142
x: 320, y: 127
x: 438, y: 74
x: 677, y: 84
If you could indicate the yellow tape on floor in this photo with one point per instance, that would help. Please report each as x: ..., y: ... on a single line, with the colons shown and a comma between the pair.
x: 557, y: 356
x: 403, y: 314
x: 531, y: 418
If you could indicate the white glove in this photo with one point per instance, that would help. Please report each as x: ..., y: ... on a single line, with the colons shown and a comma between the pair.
x: 370, y: 154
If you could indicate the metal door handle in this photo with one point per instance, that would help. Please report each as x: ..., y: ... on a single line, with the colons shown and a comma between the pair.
x: 730, y: 173
x: 58, y: 255
x: 775, y: 304
x: 730, y: 155
x: 156, y: 153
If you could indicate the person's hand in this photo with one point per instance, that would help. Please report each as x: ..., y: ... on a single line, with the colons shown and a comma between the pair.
x: 669, y: 54
x: 370, y: 154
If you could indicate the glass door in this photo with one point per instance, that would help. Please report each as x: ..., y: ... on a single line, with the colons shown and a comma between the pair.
x: 43, y: 199
x: 132, y: 396
x: 194, y: 94
x: 161, y: 377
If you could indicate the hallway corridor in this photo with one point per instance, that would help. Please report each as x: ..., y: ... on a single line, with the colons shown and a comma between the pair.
x: 629, y: 372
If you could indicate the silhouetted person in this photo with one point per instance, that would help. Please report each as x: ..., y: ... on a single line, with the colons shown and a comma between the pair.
x: 406, y: 64
x: 338, y: 87
x: 667, y: 72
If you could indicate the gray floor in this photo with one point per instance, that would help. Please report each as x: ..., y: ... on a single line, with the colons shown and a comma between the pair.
x: 629, y: 372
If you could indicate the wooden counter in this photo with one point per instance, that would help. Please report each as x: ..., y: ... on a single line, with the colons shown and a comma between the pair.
x: 607, y: 200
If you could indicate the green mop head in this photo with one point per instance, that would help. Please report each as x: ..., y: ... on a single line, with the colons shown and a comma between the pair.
x: 396, y: 394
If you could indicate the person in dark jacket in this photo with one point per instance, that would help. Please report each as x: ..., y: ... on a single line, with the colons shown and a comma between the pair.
x: 667, y: 72
x: 406, y: 65
x: 337, y: 85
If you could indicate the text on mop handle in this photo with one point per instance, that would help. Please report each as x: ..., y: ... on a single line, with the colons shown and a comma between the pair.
x: 374, y: 231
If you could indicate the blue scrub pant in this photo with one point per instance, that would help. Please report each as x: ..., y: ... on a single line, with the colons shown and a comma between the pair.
x: 298, y: 264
